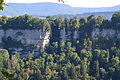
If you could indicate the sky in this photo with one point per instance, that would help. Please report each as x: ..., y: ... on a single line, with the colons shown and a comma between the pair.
x: 75, y: 3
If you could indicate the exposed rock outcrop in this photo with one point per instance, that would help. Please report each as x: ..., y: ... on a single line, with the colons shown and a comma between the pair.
x: 27, y: 37
x: 68, y: 35
x: 41, y: 38
x: 105, y: 33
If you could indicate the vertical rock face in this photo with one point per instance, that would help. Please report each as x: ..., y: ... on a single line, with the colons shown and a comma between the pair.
x: 68, y: 35
x: 2, y: 34
x: 63, y: 34
x: 76, y: 35
x: 41, y: 38
x: 105, y: 33
x: 95, y: 33
x: 45, y: 40
x: 108, y: 33
x: 27, y: 37
x: 118, y: 34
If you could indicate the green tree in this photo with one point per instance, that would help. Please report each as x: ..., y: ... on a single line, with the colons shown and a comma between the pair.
x: 3, y: 21
x: 62, y: 45
x: 87, y: 44
x: 115, y: 21
x: 59, y: 22
x: 1, y: 4
x: 96, y: 70
x: 86, y: 54
x: 85, y: 68
x: 5, y: 58
x: 83, y: 21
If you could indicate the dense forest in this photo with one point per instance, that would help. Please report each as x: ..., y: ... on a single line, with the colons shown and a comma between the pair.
x: 82, y: 59
x: 23, y: 22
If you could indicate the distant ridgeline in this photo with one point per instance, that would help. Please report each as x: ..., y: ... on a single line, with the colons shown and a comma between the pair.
x: 21, y: 31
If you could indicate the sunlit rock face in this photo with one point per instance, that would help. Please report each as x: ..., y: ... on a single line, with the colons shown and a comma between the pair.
x: 26, y: 37
x: 105, y: 33
x: 76, y: 34
x: 45, y: 39
x: 63, y: 34
x: 41, y: 38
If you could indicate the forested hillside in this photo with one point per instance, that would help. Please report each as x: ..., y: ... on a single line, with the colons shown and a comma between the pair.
x: 72, y: 54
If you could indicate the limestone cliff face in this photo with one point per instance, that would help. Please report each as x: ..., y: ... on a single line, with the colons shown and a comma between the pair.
x: 68, y: 35
x: 105, y: 33
x: 27, y: 37
x: 2, y: 34
x: 41, y: 38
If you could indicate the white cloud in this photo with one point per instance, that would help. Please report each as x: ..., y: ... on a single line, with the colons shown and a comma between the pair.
x: 75, y: 3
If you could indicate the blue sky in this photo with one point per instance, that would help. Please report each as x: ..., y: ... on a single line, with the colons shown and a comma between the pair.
x: 74, y: 3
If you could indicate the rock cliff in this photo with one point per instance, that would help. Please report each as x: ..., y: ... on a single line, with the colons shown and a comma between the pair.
x: 105, y: 33
x: 41, y: 38
x: 96, y: 32
x: 26, y: 37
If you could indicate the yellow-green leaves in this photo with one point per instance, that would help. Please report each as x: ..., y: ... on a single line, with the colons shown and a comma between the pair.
x: 1, y: 4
